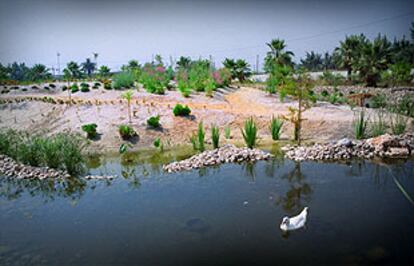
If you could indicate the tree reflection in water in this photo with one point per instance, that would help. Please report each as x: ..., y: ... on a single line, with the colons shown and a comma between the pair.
x: 13, y: 188
x: 299, y: 191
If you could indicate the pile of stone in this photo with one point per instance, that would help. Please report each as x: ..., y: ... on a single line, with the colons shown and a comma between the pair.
x: 385, y: 146
x: 225, y: 154
x: 11, y: 168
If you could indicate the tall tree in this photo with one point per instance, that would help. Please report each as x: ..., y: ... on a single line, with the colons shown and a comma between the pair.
x: 73, y: 70
x: 19, y: 72
x: 104, y: 71
x: 183, y: 63
x: 312, y: 61
x: 277, y: 55
x: 349, y: 51
x: 39, y: 72
x: 88, y: 66
x: 374, y: 57
x: 239, y: 68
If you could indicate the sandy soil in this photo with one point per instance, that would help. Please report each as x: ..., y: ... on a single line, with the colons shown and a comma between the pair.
x: 106, y: 108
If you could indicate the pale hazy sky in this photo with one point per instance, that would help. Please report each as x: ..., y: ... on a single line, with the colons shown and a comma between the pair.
x: 33, y: 31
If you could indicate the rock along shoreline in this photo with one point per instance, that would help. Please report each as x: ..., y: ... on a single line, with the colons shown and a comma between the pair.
x: 385, y: 146
x: 225, y: 154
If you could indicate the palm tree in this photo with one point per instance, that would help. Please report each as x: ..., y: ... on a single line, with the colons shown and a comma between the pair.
x: 242, y: 69
x: 39, y: 72
x: 183, y: 62
x: 95, y: 57
x: 374, y: 57
x: 312, y: 62
x: 349, y: 50
x: 230, y: 64
x: 277, y: 54
x: 128, y: 96
x: 88, y: 66
x: 73, y: 70
x: 104, y: 71
x: 328, y: 61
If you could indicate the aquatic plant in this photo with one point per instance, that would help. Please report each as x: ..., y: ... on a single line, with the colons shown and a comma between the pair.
x: 398, y: 124
x: 197, y: 140
x: 360, y: 125
x: 250, y: 133
x: 90, y: 130
x: 276, y: 128
x: 379, y: 125
x: 123, y: 80
x: 227, y: 132
x: 215, y: 136
x: 126, y: 131
x: 181, y: 110
x: 154, y: 121
x: 128, y: 96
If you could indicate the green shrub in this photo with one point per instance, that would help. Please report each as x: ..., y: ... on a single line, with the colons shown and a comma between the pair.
x: 46, y: 88
x: 9, y: 142
x: 123, y: 80
x: 74, y: 88
x: 84, y: 87
x: 325, y: 93
x: 180, y: 110
x: 155, y: 79
x: 227, y: 132
x: 398, y: 124
x: 276, y: 128
x: 158, y: 144
x: 397, y: 74
x: 30, y: 150
x: 154, y: 121
x: 360, y: 125
x: 107, y: 84
x: 64, y: 88
x: 70, y: 152
x: 379, y: 101
x: 126, y: 131
x: 34, y: 87
x: 97, y: 84
x: 52, y: 85
x: 250, y: 133
x: 90, y: 130
x: 215, y: 136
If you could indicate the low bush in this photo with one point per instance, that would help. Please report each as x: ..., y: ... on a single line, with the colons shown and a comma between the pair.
x: 158, y: 144
x: 53, y: 86
x: 250, y: 133
x: 46, y: 88
x: 107, y: 84
x: 180, y: 110
x: 74, y: 88
x: 154, y: 121
x: 276, y: 128
x: 123, y: 80
x: 325, y: 93
x: 155, y: 79
x: 84, y: 88
x: 379, y: 101
x: 34, y: 87
x: 90, y: 130
x: 64, y: 88
x: 126, y: 132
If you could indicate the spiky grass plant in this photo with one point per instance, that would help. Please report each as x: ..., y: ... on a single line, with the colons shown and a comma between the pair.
x: 379, y: 126
x: 398, y: 124
x: 250, y: 133
x: 360, y: 125
x: 227, y: 132
x: 276, y: 128
x: 215, y: 136
x: 197, y: 140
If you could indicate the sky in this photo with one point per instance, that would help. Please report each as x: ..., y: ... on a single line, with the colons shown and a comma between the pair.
x: 34, y: 31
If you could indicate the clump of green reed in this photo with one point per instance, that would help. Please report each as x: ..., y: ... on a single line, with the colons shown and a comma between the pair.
x: 276, y: 128
x: 197, y: 140
x: 60, y: 151
x: 215, y: 136
x: 379, y: 126
x: 360, y: 125
x: 398, y: 124
x: 227, y: 132
x: 250, y: 133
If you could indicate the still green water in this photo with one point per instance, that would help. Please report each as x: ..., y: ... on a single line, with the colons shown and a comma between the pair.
x: 227, y: 215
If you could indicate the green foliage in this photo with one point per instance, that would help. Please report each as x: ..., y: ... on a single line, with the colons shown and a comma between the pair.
x: 276, y: 128
x: 331, y: 79
x: 88, y: 66
x: 60, y: 151
x: 123, y: 80
x: 180, y: 110
x: 379, y: 125
x: 379, y: 101
x: 197, y: 140
x: 398, y: 74
x: 154, y: 121
x: 239, y: 68
x: 398, y: 124
x: 107, y: 84
x: 349, y: 52
x: 227, y: 132
x: 104, y: 71
x: 215, y: 136
x: 84, y: 87
x: 280, y: 77
x: 154, y: 78
x: 312, y: 61
x: 250, y: 133
x: 90, y: 130
x: 126, y: 131
x: 158, y: 144
x: 277, y: 55
x: 74, y: 88
x: 360, y: 125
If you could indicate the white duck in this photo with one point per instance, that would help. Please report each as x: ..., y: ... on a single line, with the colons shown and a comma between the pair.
x: 295, y: 222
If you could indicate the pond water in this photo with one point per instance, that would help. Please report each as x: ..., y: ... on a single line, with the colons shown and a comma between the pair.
x: 228, y: 215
